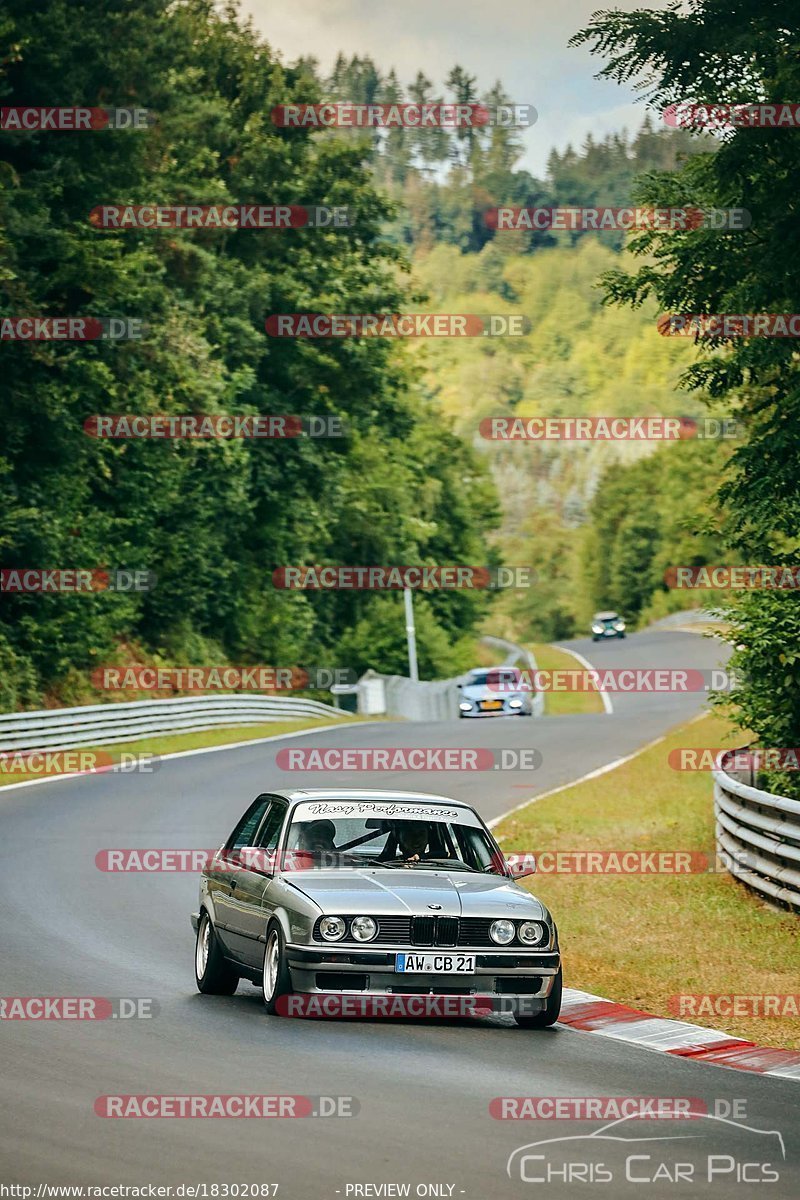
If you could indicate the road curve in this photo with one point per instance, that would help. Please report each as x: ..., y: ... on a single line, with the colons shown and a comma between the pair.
x: 423, y: 1088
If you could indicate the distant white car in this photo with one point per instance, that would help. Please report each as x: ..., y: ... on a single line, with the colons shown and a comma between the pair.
x: 495, y: 692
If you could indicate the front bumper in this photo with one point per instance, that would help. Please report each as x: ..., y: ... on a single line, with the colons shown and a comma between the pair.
x: 518, y: 974
x: 498, y: 712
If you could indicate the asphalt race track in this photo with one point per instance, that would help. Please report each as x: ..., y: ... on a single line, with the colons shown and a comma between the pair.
x: 423, y: 1088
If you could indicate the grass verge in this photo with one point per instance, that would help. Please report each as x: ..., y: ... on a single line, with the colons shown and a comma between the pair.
x: 172, y: 743
x: 642, y: 939
x: 558, y: 704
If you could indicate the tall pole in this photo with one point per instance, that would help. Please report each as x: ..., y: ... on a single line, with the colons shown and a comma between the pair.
x: 411, y: 635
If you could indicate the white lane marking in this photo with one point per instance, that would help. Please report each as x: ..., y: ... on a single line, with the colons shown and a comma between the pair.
x: 604, y: 696
x: 274, y: 737
x: 612, y: 766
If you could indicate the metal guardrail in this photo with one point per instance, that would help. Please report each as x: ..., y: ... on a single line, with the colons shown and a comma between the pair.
x: 436, y: 699
x: 758, y: 835
x: 105, y: 724
x: 102, y: 724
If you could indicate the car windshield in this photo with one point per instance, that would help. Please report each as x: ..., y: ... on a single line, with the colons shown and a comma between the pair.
x: 394, y: 836
x: 492, y: 677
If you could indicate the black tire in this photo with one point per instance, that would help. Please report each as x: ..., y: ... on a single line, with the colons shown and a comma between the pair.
x: 213, y: 973
x: 275, y: 978
x: 551, y: 1011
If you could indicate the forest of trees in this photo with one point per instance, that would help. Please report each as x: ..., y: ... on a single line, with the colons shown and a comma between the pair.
x: 211, y: 519
x: 412, y: 481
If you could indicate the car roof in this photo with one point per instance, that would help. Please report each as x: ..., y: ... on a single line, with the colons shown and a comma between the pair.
x: 605, y: 616
x: 496, y: 667
x: 364, y: 795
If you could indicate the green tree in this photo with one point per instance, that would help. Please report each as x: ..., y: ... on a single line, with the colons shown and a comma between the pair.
x: 705, y: 51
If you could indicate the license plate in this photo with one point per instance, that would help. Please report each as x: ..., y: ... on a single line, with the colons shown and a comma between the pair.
x: 491, y: 703
x: 435, y: 964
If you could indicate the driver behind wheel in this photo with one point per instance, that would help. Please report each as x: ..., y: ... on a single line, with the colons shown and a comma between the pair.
x: 314, y: 844
x: 412, y: 837
x: 317, y: 836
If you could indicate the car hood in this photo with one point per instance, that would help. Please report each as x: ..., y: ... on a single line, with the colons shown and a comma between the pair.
x: 395, y: 891
x: 482, y: 691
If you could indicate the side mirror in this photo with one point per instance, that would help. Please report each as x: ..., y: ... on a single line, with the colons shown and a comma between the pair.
x: 459, y: 686
x: 521, y: 865
x: 254, y: 858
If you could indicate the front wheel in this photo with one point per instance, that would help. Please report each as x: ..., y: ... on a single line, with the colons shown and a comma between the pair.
x: 276, y: 980
x: 213, y: 974
x: 551, y: 1011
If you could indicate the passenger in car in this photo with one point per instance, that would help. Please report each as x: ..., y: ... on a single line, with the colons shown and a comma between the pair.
x: 317, y: 836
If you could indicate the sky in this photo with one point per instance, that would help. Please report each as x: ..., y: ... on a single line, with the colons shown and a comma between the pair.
x: 524, y: 45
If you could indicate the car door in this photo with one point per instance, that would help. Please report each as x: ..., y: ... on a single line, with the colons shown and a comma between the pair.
x: 248, y: 917
x: 223, y: 877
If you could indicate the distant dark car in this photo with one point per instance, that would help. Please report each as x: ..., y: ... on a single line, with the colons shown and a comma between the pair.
x: 607, y: 625
x: 495, y: 692
x: 329, y: 892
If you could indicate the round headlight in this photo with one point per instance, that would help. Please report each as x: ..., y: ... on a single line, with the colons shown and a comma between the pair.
x: 363, y: 929
x: 597, y: 629
x: 332, y: 928
x: 619, y: 626
x: 465, y: 706
x: 502, y: 932
x: 533, y: 933
x: 515, y: 703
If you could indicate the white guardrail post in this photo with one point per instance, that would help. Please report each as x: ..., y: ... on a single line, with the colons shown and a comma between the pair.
x: 758, y: 835
x: 102, y: 724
